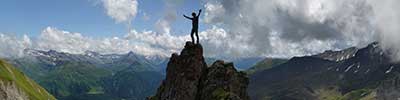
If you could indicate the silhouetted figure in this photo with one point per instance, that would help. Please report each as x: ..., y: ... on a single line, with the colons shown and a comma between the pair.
x: 195, y: 25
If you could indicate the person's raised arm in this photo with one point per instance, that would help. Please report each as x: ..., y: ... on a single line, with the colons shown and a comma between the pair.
x: 199, y: 13
x: 187, y: 17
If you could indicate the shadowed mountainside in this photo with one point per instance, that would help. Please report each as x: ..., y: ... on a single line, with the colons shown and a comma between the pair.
x: 351, y: 74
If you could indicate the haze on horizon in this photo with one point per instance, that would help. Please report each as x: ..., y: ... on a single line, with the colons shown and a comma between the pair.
x: 228, y: 28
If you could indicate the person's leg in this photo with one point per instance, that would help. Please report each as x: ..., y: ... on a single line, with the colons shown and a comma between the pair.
x: 197, y: 36
x: 191, y: 35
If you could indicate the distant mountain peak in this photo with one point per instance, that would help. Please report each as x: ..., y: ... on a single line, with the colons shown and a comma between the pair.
x: 338, y: 55
x: 52, y: 51
x: 131, y: 53
x: 33, y: 52
x: 91, y: 53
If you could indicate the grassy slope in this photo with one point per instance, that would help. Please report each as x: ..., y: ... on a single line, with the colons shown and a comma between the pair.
x: 334, y: 94
x: 132, y: 84
x: 8, y: 73
x: 265, y: 64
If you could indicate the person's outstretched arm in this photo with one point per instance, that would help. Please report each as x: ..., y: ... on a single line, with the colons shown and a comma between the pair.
x: 199, y: 13
x: 187, y: 17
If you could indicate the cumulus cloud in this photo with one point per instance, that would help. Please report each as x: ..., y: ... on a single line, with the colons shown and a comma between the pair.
x: 149, y: 43
x: 163, y: 25
x: 75, y: 43
x: 166, y: 42
x: 121, y: 10
x: 214, y: 13
x: 12, y: 46
x: 288, y: 28
x: 52, y: 38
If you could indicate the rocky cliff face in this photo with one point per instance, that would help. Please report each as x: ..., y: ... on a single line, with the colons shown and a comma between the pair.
x: 9, y: 91
x: 189, y: 78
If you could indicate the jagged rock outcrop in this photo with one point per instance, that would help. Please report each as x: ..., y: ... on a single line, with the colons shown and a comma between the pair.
x: 183, y: 74
x: 189, y: 78
x: 9, y: 91
x: 223, y: 82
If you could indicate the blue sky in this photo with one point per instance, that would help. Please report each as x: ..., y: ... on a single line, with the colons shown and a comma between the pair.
x: 87, y: 17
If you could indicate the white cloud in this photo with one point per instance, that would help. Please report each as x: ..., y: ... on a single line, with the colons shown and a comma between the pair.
x: 12, y: 46
x: 286, y: 28
x: 147, y: 43
x: 163, y: 26
x: 166, y: 42
x: 216, y: 43
x: 214, y: 13
x: 52, y: 38
x: 387, y: 20
x: 121, y: 10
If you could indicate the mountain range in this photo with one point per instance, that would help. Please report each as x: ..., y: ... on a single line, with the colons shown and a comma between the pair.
x: 94, y: 75
x: 351, y: 74
x: 366, y: 73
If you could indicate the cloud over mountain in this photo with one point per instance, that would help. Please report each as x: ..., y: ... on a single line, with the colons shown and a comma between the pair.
x: 148, y: 43
x: 12, y: 46
x: 299, y: 27
x: 70, y: 42
x: 387, y: 20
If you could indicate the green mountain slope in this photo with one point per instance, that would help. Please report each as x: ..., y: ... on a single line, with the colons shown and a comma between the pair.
x: 265, y: 64
x: 132, y: 85
x: 74, y: 79
x: 10, y: 76
x: 83, y: 81
x: 92, y: 76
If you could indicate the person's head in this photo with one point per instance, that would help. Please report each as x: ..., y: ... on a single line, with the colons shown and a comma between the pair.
x: 193, y: 14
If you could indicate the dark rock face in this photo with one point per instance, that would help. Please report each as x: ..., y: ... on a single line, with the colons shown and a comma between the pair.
x: 188, y: 78
x: 183, y: 74
x: 224, y: 82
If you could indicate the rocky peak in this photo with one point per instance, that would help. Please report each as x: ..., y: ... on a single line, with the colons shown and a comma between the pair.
x: 189, y: 78
x: 372, y: 51
x: 192, y: 50
x: 338, y: 55
x: 91, y: 53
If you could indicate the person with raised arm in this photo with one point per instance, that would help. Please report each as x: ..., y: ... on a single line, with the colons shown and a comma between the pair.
x: 195, y: 25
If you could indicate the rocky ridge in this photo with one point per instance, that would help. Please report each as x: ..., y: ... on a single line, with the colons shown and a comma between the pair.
x: 189, y: 78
